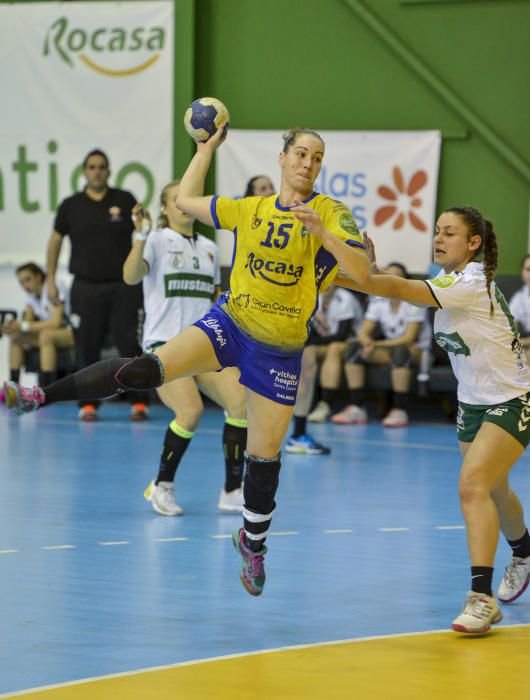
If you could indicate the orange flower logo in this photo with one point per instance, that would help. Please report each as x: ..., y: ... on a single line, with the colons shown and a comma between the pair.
x: 402, y: 200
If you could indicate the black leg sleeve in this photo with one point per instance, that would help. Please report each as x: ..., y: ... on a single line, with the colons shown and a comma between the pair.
x: 107, y: 378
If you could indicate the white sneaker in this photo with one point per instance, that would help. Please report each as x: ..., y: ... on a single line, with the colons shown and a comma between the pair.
x: 396, y: 418
x: 515, y: 581
x: 351, y: 415
x: 479, y: 614
x: 320, y: 414
x: 231, y: 501
x: 162, y: 497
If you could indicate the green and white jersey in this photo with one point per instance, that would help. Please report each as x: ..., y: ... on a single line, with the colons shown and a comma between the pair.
x: 520, y: 308
x: 178, y: 289
x: 485, y: 352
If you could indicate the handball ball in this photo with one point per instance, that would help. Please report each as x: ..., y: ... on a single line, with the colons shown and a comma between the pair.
x: 204, y: 116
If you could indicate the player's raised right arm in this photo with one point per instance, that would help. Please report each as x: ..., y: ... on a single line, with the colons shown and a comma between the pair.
x: 189, y: 197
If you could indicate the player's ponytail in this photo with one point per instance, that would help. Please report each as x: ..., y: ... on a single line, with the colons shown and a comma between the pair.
x: 491, y: 254
x: 487, y: 251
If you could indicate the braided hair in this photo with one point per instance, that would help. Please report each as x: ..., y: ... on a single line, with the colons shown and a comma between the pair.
x: 487, y: 252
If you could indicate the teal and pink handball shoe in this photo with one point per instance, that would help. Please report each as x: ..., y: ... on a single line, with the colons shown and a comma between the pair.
x: 22, y: 399
x: 252, y: 572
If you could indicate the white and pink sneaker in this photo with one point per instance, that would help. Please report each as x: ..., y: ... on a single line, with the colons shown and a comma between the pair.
x: 351, y: 415
x: 396, y: 418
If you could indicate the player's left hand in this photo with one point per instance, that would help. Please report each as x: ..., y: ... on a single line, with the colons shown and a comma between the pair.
x: 141, y: 219
x: 309, y: 218
x: 370, y: 247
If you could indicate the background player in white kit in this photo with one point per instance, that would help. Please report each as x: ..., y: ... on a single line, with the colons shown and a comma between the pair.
x: 474, y: 324
x: 44, y: 324
x: 181, y: 278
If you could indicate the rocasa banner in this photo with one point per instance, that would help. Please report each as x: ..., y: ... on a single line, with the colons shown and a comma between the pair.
x: 79, y: 76
x: 387, y: 178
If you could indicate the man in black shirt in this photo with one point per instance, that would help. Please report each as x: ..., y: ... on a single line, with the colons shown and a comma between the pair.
x: 98, y: 222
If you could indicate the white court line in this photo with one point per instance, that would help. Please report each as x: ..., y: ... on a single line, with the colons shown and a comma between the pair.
x: 450, y: 527
x: 242, y: 655
x: 118, y: 423
x: 111, y: 544
x: 286, y: 533
x: 392, y: 443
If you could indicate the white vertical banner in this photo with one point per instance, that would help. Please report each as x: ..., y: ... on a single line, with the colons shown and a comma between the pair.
x: 78, y: 76
x: 388, y: 179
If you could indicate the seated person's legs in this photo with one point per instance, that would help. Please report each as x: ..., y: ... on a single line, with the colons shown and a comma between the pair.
x: 50, y: 341
x: 330, y: 376
x: 355, y: 371
x: 17, y: 342
x: 402, y: 360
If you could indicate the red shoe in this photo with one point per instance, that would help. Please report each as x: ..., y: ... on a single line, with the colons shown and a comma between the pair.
x: 88, y: 413
x: 139, y: 411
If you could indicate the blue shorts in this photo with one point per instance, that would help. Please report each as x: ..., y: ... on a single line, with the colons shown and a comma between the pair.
x: 269, y: 371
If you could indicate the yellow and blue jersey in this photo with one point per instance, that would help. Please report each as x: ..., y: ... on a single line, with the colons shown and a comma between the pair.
x: 278, y: 267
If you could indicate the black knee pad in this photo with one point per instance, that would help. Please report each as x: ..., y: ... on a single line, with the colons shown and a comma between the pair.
x: 353, y: 353
x: 262, y: 477
x: 141, y: 373
x: 400, y: 357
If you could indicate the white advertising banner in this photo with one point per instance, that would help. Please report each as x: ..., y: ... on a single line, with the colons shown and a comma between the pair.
x: 387, y: 178
x: 78, y: 76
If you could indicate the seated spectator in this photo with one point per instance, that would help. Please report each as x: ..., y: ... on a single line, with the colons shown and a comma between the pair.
x: 259, y: 186
x: 44, y: 325
x: 520, y: 306
x: 332, y: 324
x: 337, y: 319
x: 406, y: 332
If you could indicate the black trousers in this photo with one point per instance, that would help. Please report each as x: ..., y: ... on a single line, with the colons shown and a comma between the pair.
x: 99, y: 308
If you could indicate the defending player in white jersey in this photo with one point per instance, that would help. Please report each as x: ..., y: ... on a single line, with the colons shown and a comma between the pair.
x: 181, y: 279
x: 474, y: 324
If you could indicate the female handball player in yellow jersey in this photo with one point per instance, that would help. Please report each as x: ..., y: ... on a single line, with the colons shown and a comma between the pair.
x: 288, y: 249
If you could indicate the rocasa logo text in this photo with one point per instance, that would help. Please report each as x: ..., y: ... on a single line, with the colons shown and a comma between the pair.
x: 272, y: 270
x: 104, y: 43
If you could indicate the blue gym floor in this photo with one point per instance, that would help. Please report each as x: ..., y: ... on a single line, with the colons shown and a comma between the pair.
x: 367, y: 541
